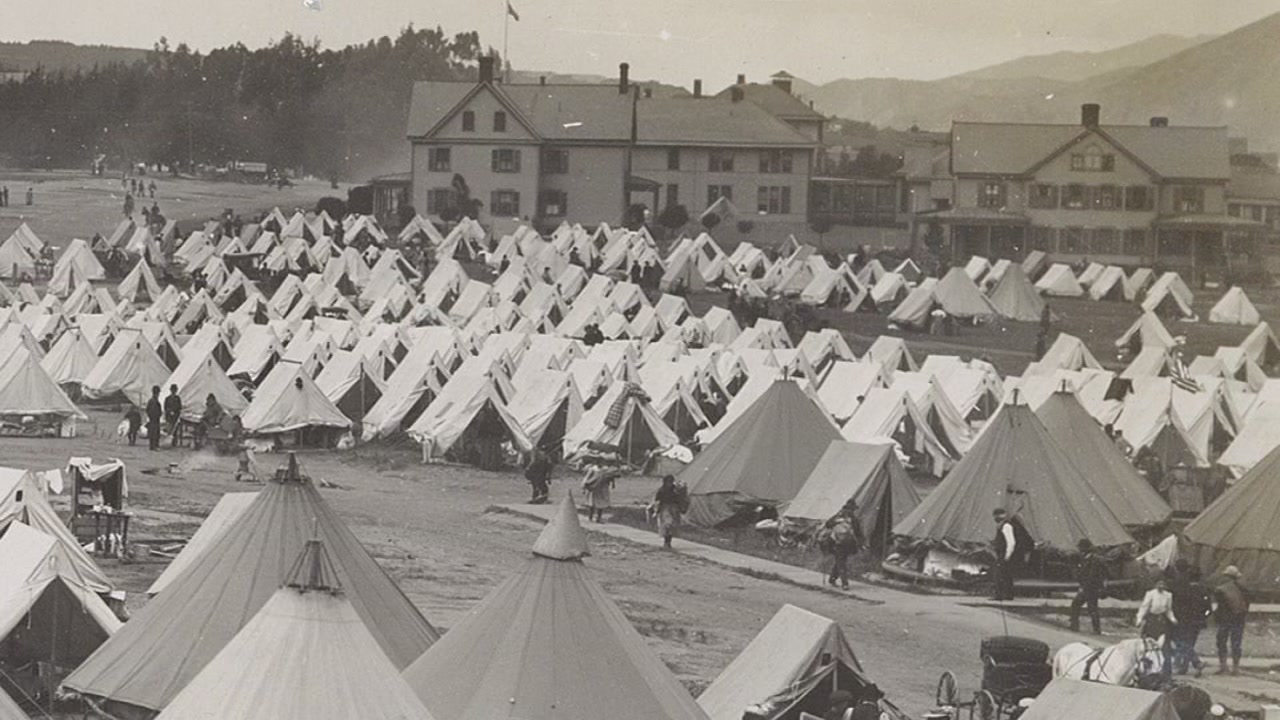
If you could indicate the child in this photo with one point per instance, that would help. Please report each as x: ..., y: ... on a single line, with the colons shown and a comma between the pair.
x: 134, y: 418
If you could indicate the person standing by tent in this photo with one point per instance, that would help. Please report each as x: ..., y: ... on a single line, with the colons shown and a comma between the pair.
x: 1232, y: 600
x: 597, y: 484
x: 1012, y: 543
x: 1191, y: 603
x: 134, y: 419
x: 538, y: 473
x: 31, y: 196
x: 128, y: 204
x: 154, y: 412
x: 669, y: 504
x: 1091, y: 575
x: 842, y: 538
x: 173, y: 414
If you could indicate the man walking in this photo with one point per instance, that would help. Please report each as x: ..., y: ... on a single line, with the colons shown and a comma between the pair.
x: 173, y: 414
x: 843, y: 537
x: 1091, y: 575
x: 538, y: 473
x: 154, y: 412
x: 1232, y: 609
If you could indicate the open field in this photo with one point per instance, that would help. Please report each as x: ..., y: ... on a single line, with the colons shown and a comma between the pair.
x: 76, y: 205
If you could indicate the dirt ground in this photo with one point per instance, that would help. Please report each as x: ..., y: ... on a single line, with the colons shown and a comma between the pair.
x: 76, y: 205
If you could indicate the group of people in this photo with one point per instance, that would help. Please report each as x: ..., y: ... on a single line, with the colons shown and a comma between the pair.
x: 167, y: 413
x: 137, y: 186
x: 1178, y: 608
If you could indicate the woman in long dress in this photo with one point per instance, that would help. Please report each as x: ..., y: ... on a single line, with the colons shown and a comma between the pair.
x: 597, y: 484
x: 667, y: 508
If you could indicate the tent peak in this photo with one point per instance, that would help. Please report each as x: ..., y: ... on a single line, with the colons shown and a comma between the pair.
x: 313, y: 570
x: 563, y: 538
x: 291, y: 472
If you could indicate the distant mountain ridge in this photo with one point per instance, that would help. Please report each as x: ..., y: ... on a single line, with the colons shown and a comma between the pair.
x: 56, y: 55
x: 1226, y: 80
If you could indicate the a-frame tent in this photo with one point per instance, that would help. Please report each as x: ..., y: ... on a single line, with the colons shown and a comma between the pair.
x: 870, y: 475
x: 129, y: 368
x: 306, y: 655
x: 140, y: 285
x: 26, y: 390
x: 549, y: 643
x: 788, y: 668
x: 199, y: 377
x: 633, y: 426
x: 23, y: 500
x: 289, y: 401
x: 1235, y: 308
x: 1016, y: 298
x: 175, y: 635
x: 762, y: 458
x: 1018, y: 466
x: 1239, y: 528
x: 1060, y: 281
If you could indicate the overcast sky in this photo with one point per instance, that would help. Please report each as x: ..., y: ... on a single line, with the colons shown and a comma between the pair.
x: 669, y: 40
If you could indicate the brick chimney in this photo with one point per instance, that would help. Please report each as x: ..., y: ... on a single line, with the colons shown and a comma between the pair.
x: 742, y: 79
x: 1090, y: 114
x: 1159, y: 122
x: 486, y: 68
x: 624, y: 78
x: 783, y: 84
x: 697, y: 87
x: 542, y: 79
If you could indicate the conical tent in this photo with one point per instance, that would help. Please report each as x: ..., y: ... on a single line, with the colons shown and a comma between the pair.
x: 1113, y: 478
x: 9, y: 709
x: 225, y: 514
x: 960, y: 297
x: 173, y: 637
x: 1016, y: 298
x: 787, y: 669
x: 549, y: 644
x: 1235, y: 308
x: 306, y: 655
x: 763, y: 458
x: 868, y: 474
x: 1016, y: 465
x: 1239, y: 528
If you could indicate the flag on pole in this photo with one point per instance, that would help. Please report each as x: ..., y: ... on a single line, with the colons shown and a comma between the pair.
x: 512, y: 12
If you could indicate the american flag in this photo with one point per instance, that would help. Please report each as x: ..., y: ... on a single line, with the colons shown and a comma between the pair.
x: 1178, y: 373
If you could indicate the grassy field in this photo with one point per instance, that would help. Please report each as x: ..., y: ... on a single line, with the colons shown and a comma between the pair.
x: 76, y: 205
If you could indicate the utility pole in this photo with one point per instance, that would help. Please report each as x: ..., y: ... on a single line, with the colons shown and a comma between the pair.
x: 191, y: 164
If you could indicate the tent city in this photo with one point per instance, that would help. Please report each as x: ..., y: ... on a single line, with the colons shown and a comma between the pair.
x: 578, y: 359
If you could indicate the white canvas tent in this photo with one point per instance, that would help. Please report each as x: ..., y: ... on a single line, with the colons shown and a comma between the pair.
x: 129, y: 368
x: 288, y: 401
x: 1059, y: 281
x: 1235, y: 308
x: 634, y: 427
x: 1170, y: 297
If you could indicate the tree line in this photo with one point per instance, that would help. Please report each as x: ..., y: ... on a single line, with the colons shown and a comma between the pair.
x: 337, y: 113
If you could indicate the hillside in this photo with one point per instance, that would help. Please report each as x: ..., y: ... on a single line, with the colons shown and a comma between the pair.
x: 53, y: 55
x: 1228, y: 80
x: 1077, y: 66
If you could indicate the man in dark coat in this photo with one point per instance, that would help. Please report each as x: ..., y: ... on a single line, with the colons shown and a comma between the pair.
x: 173, y: 414
x: 1091, y: 575
x: 155, y: 411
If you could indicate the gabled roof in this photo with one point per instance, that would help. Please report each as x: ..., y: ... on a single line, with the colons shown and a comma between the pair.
x: 561, y: 113
x: 1017, y: 148
x: 775, y: 101
x: 710, y: 121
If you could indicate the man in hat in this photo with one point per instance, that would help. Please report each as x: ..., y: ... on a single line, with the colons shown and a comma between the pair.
x: 1091, y: 575
x: 1232, y: 602
x: 1008, y: 548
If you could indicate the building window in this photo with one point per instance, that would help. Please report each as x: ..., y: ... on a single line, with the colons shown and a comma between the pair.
x: 1075, y: 197
x: 715, y: 192
x: 1071, y: 241
x: 1093, y: 160
x: 1106, y: 197
x: 1042, y: 239
x: 775, y: 161
x: 991, y: 195
x: 721, y: 161
x: 504, y: 203
x: 506, y: 160
x: 438, y: 159
x: 1104, y: 241
x: 1188, y: 199
x: 1176, y: 243
x: 555, y: 161
x: 1137, y: 242
x: 439, y: 201
x: 468, y: 121
x: 499, y: 121
x: 1139, y: 198
x: 673, y: 159
x: 553, y: 203
x: 774, y: 200
x: 1043, y: 197
x: 673, y: 195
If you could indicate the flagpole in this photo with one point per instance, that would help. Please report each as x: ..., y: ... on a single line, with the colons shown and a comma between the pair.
x: 506, y: 24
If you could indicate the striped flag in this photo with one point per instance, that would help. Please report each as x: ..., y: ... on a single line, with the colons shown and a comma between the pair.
x: 1178, y: 373
x: 512, y: 12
